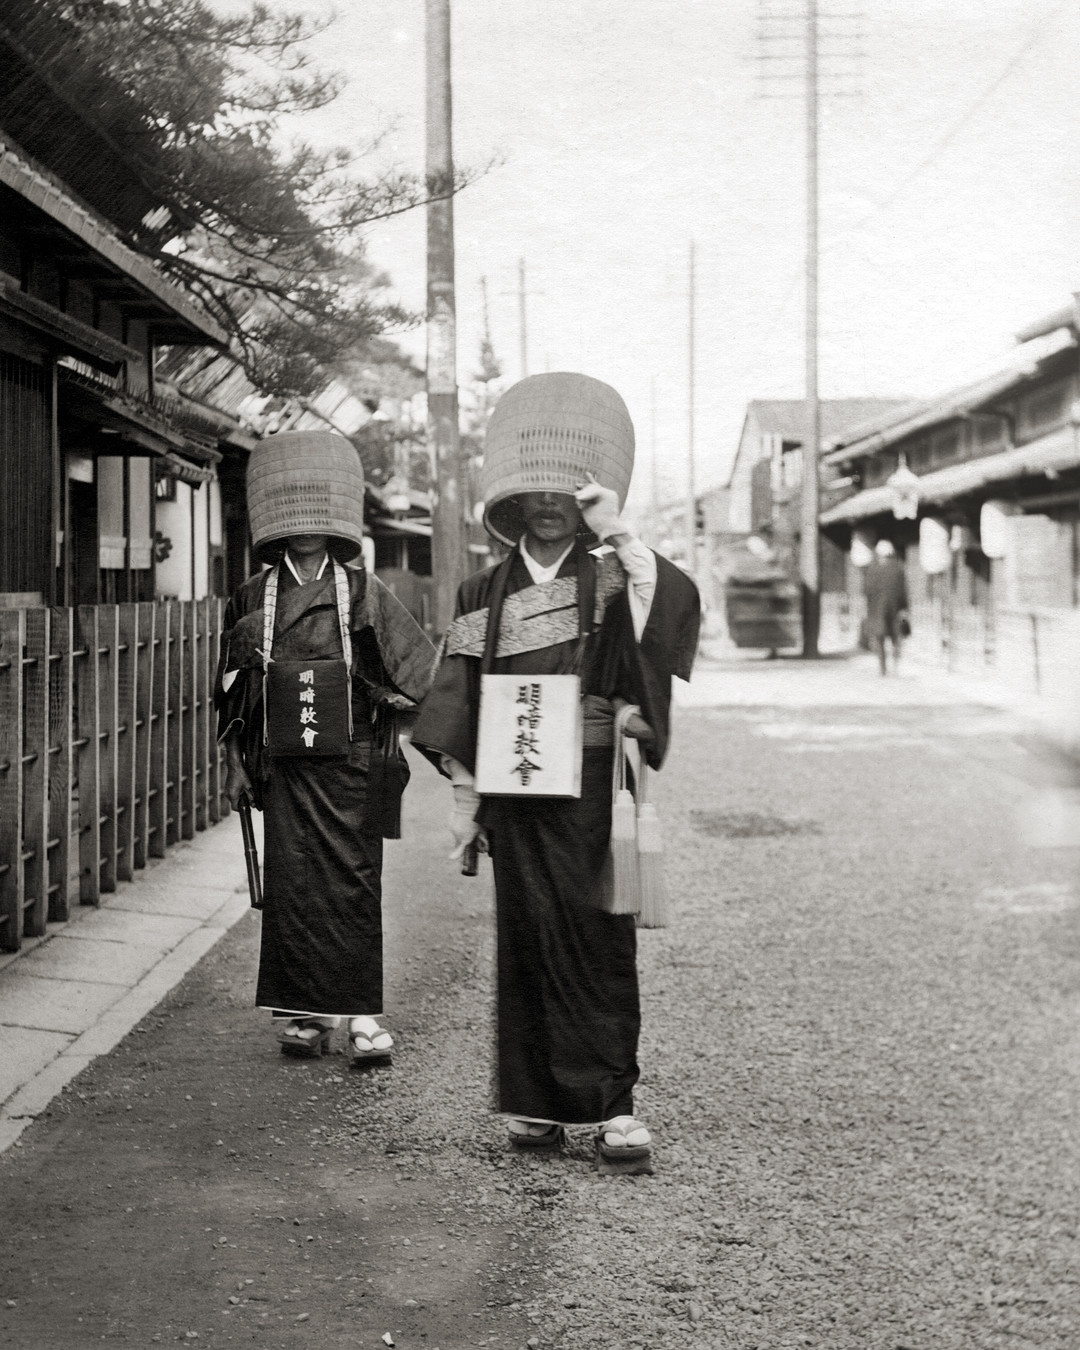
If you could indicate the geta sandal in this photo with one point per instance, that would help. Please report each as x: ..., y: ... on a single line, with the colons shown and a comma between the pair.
x: 305, y: 1037
x: 623, y: 1147
x: 374, y: 1042
x: 535, y: 1134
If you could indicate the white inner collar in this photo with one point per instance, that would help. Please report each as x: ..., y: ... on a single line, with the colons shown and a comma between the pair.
x: 296, y: 574
x: 537, y: 571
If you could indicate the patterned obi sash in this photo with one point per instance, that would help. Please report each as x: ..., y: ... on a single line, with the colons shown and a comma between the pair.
x: 539, y: 616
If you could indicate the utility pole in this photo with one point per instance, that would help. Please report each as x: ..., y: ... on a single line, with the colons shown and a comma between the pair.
x: 654, y: 504
x: 793, y: 45
x: 448, y: 526
x: 809, y: 533
x: 691, y: 504
x: 523, y: 331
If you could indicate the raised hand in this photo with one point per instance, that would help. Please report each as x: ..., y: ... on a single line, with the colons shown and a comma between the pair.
x: 599, y: 507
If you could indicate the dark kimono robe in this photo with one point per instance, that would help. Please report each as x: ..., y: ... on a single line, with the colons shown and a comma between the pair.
x: 321, y: 950
x: 885, y: 588
x: 567, y: 993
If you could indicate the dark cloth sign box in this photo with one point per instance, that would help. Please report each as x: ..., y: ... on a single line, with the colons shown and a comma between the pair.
x: 308, y: 709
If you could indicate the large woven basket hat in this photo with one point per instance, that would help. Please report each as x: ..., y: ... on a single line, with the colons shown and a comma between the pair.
x: 305, y: 482
x: 547, y: 434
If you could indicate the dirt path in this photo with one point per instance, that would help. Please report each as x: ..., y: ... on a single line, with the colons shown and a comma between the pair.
x: 197, y: 1186
x: 859, y: 1057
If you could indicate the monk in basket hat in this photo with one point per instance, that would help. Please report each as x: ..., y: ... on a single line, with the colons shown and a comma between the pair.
x: 557, y: 653
x: 319, y: 665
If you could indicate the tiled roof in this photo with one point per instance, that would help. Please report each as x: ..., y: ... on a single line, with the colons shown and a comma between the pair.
x: 786, y: 416
x: 1049, y: 454
x: 906, y: 419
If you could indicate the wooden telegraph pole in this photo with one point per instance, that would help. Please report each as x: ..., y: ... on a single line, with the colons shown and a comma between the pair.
x: 809, y: 536
x: 523, y: 332
x: 448, y: 526
x: 796, y: 36
x: 691, y: 503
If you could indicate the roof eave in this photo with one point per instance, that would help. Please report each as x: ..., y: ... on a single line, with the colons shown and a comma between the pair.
x: 958, y: 402
x: 180, y: 322
x: 1065, y: 317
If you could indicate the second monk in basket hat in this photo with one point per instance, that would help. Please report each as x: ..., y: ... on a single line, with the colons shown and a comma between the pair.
x: 319, y: 661
x: 558, y: 456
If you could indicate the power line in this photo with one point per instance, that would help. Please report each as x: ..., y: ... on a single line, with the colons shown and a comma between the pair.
x: 949, y: 136
x: 939, y: 146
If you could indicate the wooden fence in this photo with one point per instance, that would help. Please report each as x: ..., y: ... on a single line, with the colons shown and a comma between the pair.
x: 108, y: 753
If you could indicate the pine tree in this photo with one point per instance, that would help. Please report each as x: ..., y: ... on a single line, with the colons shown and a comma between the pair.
x: 267, y: 236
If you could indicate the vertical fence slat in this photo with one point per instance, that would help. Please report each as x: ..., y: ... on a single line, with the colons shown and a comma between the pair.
x: 12, y: 637
x: 202, y: 714
x: 126, y: 695
x: 144, y: 703
x: 189, y: 737
x: 107, y: 748
x: 217, y: 809
x: 61, y: 736
x: 160, y: 763
x: 88, y: 676
x: 35, y: 806
x: 224, y: 805
x: 109, y: 704
x: 176, y: 720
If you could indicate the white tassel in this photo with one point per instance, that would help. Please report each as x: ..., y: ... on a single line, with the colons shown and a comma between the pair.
x: 626, y: 897
x: 624, y: 853
x: 650, y: 842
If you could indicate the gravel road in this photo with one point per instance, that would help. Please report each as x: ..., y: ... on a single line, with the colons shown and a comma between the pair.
x: 859, y: 1061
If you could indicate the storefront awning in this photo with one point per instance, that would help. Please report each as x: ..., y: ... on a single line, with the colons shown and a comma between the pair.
x: 1049, y: 454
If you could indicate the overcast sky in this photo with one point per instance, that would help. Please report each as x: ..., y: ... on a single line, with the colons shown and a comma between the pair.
x: 624, y: 128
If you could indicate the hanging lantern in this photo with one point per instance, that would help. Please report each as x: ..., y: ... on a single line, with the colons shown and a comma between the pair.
x: 935, y: 554
x: 904, y: 486
x: 994, y: 528
x: 862, y: 546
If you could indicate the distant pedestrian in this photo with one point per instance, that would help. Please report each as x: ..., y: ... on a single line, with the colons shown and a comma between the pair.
x: 624, y: 622
x: 319, y: 661
x: 885, y: 588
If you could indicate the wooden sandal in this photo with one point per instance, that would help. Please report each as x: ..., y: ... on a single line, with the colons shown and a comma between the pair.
x: 535, y: 1134
x: 305, y: 1037
x: 363, y: 1045
x: 623, y: 1147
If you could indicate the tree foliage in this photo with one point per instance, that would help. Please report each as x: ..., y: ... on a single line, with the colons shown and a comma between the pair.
x: 267, y: 236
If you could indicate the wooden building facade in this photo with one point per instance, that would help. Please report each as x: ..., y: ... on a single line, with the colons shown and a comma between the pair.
x: 979, y: 489
x: 106, y: 748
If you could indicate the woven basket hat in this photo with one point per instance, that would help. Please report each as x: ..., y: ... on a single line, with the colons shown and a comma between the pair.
x: 547, y: 434
x: 305, y: 482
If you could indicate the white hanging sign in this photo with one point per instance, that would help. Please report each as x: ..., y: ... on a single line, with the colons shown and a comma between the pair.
x: 529, y: 742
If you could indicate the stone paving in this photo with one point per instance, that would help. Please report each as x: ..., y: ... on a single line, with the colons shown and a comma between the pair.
x: 76, y: 993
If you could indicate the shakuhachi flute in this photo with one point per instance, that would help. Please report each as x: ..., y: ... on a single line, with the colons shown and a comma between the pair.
x: 251, y: 853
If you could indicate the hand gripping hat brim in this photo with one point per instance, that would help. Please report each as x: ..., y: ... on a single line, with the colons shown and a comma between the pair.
x: 305, y: 482
x: 547, y: 434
